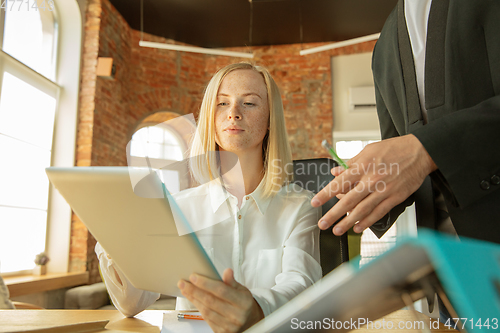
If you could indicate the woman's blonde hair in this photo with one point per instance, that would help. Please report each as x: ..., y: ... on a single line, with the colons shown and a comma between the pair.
x: 275, y: 148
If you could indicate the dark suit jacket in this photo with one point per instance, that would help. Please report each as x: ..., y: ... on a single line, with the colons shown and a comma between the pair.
x: 463, y: 131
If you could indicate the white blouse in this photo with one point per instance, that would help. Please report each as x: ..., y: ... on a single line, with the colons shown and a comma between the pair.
x: 272, y: 245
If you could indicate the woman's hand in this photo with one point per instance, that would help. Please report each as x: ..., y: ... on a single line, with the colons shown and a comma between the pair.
x: 226, y: 305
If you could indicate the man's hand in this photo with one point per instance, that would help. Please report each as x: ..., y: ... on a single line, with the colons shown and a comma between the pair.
x: 226, y: 306
x: 380, y: 177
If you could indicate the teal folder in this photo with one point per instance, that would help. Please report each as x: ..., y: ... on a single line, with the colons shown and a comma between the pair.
x: 466, y: 270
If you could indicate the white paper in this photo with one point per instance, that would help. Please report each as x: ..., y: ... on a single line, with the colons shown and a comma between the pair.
x: 173, y: 325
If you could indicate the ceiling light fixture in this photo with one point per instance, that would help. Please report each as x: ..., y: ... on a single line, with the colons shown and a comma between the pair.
x: 340, y: 44
x: 195, y: 49
x: 183, y: 48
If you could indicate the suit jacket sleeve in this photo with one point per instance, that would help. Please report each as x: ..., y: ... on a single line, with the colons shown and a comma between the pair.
x: 464, y: 146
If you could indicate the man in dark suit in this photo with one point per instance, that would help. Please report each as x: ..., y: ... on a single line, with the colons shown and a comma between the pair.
x: 438, y: 102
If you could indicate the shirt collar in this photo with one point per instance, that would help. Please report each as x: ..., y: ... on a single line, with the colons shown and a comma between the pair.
x: 258, y: 196
x: 218, y: 196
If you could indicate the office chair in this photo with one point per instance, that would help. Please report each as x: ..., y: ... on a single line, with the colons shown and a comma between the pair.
x: 313, y: 175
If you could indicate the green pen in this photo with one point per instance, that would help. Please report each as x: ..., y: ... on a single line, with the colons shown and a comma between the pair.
x: 334, y: 154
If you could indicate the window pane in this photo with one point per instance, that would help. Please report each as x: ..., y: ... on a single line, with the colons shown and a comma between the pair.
x: 22, y: 174
x: 173, y: 153
x: 141, y: 135
x: 372, y: 246
x: 156, y: 142
x: 29, y: 36
x: 170, y: 138
x: 155, y: 134
x: 137, y: 148
x: 348, y: 149
x: 155, y: 150
x: 22, y: 237
x: 26, y: 113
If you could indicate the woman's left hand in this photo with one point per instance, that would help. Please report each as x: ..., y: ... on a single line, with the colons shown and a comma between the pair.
x: 226, y: 305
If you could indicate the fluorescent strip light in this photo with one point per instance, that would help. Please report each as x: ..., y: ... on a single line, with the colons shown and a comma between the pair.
x: 340, y: 44
x: 195, y: 49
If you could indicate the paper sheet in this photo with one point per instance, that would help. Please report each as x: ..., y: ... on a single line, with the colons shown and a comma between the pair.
x: 173, y: 325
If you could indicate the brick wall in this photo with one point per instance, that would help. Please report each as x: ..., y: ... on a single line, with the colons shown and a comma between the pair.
x: 149, y: 80
x: 78, y: 257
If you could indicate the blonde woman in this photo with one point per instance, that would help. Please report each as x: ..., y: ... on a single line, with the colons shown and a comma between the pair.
x: 267, y: 249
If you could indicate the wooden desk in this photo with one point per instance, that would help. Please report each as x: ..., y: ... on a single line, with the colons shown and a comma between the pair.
x: 19, y: 320
x: 146, y: 321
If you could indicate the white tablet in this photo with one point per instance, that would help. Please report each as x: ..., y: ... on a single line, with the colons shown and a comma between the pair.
x: 139, y: 233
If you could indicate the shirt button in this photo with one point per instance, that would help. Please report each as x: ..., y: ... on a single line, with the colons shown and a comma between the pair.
x: 249, y: 197
x: 485, y: 185
x: 495, y: 180
x: 239, y: 216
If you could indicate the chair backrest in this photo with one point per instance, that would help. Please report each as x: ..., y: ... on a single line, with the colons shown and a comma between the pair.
x: 314, y: 175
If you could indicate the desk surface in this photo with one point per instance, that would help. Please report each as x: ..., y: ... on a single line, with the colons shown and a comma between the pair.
x: 146, y: 321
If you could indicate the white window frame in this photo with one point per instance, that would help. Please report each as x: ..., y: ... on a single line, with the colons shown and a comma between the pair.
x: 65, y: 88
x: 68, y: 68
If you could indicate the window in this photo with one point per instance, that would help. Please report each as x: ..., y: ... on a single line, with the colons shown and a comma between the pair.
x: 156, y: 142
x: 31, y: 99
x: 157, y: 146
x: 372, y: 247
x: 161, y: 142
x: 348, y: 149
x: 350, y: 143
x: 27, y: 111
x: 30, y: 35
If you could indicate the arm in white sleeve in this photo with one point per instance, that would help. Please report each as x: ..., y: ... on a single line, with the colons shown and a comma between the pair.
x: 300, y: 264
x: 127, y: 299
x: 5, y: 303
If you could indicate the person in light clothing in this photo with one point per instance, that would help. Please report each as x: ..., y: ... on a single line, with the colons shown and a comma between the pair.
x: 267, y: 248
x: 5, y: 303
